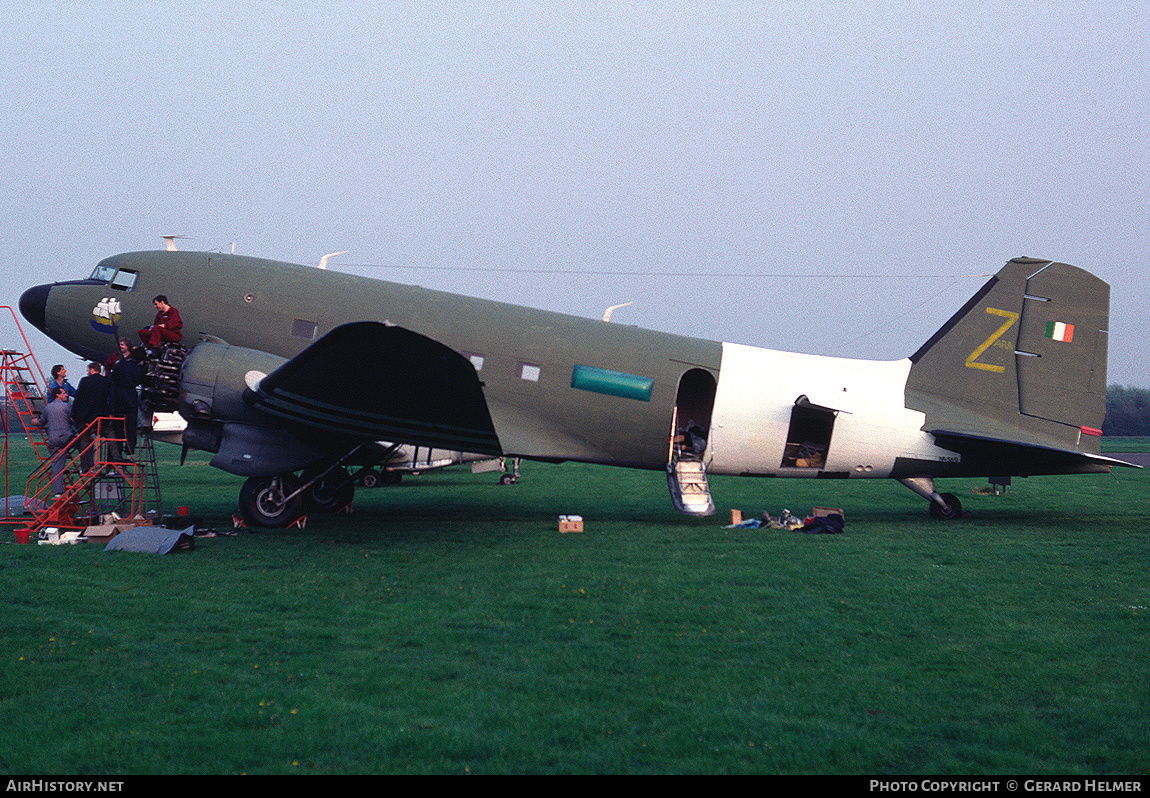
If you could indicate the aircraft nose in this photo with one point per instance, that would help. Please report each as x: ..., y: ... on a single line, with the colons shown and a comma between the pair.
x: 33, y: 303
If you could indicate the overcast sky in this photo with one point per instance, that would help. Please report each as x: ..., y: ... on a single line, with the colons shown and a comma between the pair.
x: 827, y: 177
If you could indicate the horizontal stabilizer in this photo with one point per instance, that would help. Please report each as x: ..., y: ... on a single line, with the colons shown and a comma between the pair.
x: 996, y: 457
x: 371, y: 381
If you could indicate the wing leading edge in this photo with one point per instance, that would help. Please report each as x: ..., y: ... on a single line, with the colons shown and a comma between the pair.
x: 371, y: 381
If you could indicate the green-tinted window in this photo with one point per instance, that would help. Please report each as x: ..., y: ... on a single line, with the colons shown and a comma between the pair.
x: 612, y: 383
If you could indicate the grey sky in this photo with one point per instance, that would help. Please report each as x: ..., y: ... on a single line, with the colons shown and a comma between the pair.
x: 693, y: 158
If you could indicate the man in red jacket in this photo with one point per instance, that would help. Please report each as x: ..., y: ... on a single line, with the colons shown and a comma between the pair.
x: 166, y: 326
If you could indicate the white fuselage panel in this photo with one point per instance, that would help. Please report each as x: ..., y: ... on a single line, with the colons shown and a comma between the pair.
x: 759, y: 388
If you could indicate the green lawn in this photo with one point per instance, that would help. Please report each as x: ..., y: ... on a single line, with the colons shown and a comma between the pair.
x: 447, y: 627
x: 1131, y: 444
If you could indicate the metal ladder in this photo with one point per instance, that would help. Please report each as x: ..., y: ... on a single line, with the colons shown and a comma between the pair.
x: 22, y: 391
x: 151, y: 504
x: 108, y: 485
x: 687, y: 480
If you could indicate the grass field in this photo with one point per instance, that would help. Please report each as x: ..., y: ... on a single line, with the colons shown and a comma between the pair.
x: 446, y: 627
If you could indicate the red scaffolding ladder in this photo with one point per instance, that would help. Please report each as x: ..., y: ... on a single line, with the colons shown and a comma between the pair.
x: 23, y: 400
x: 108, y: 483
x: 90, y: 462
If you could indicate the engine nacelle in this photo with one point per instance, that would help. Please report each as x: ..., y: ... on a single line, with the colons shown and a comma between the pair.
x: 213, y: 379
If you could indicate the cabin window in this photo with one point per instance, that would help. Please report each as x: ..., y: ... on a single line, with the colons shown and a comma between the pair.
x: 123, y: 279
x: 303, y: 329
x: 529, y: 372
x: 475, y: 359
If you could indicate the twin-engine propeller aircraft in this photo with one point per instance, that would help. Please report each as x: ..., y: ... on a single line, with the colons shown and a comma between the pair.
x: 292, y: 376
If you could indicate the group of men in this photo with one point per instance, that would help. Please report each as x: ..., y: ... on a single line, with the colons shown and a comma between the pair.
x: 111, y: 389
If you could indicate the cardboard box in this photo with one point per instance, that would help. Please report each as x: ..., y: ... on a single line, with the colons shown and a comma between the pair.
x: 102, y: 533
x: 105, y: 532
x: 570, y: 523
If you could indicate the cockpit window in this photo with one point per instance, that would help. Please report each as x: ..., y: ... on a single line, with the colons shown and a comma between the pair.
x: 122, y: 279
x: 103, y: 273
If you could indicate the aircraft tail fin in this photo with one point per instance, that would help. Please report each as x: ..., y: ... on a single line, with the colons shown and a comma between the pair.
x: 1024, y: 359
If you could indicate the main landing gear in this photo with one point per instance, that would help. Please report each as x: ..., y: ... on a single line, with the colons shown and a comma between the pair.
x: 329, y: 491
x: 281, y: 500
x: 271, y: 501
x: 943, y: 506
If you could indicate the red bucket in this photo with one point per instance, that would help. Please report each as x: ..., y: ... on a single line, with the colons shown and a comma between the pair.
x: 22, y: 535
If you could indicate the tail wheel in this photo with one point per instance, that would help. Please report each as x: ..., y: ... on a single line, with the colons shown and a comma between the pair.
x: 264, y: 501
x: 952, y: 510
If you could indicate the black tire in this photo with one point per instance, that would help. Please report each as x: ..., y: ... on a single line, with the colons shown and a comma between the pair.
x: 331, y: 493
x: 952, y: 510
x: 369, y: 479
x: 262, y: 501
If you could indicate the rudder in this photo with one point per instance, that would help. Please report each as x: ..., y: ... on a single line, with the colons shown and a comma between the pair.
x: 1062, y: 347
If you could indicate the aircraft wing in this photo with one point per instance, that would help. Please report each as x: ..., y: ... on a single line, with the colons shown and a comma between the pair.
x: 371, y: 381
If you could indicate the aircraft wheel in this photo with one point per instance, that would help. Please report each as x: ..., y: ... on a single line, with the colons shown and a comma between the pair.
x: 333, y: 492
x: 953, y: 508
x: 508, y: 479
x: 263, y: 501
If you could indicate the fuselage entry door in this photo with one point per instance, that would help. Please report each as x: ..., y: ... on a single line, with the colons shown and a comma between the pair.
x: 688, y: 451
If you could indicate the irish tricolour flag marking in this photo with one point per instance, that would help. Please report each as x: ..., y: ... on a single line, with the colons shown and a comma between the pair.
x: 1060, y: 331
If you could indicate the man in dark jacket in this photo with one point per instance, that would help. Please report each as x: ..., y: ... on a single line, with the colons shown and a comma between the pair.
x: 93, y: 399
x: 127, y: 374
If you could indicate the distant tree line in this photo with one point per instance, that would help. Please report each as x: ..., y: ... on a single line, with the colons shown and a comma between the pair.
x: 1127, y: 411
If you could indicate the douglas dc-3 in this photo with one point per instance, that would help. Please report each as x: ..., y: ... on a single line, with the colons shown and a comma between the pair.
x: 293, y: 375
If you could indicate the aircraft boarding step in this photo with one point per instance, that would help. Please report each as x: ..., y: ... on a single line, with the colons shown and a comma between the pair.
x: 687, y: 480
x: 94, y: 481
